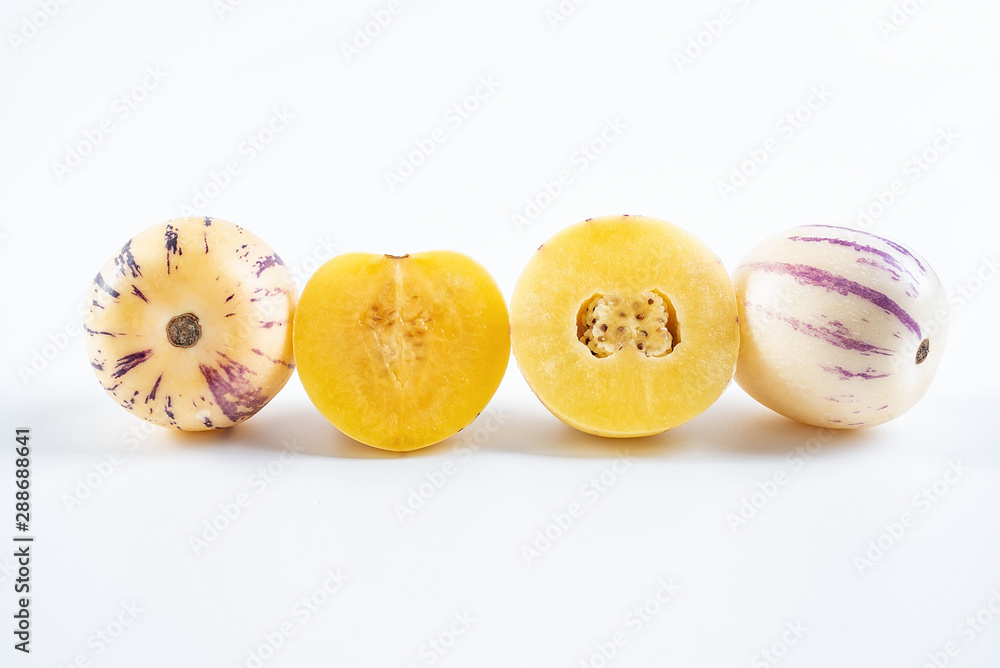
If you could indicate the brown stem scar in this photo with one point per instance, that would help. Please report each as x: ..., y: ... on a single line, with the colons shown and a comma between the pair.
x: 183, y: 331
x: 923, y: 350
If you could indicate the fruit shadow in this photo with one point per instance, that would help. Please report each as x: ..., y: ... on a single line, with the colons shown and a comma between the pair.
x: 729, y: 428
x: 305, y: 432
x: 726, y: 429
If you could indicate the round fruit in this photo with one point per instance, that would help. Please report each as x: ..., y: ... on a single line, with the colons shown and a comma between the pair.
x: 401, y: 352
x: 625, y: 326
x: 840, y: 328
x: 189, y: 324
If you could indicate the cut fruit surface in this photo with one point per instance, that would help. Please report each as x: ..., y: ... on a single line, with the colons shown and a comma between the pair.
x: 625, y: 326
x: 401, y: 352
x: 189, y: 324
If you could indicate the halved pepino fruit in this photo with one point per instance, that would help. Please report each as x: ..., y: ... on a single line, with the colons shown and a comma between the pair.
x: 625, y: 326
x: 189, y: 324
x: 401, y: 352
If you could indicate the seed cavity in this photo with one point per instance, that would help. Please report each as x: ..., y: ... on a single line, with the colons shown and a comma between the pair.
x: 607, y: 323
x: 183, y: 331
x: 923, y: 350
x: 400, y: 334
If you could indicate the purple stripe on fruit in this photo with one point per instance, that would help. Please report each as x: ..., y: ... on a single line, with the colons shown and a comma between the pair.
x: 892, y: 244
x: 808, y: 275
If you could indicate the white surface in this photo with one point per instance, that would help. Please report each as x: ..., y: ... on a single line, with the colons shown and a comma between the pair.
x: 320, y: 185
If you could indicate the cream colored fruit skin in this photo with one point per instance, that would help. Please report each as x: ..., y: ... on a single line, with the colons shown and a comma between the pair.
x: 555, y: 310
x: 826, y: 352
x: 244, y: 298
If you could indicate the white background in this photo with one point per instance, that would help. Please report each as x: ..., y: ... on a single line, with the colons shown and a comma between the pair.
x: 319, y: 187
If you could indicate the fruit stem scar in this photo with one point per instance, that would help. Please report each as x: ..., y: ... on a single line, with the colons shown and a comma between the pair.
x: 923, y: 350
x: 183, y: 331
x: 397, y: 257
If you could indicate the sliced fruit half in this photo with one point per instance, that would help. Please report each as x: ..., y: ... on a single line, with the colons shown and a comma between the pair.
x: 401, y: 352
x: 625, y: 326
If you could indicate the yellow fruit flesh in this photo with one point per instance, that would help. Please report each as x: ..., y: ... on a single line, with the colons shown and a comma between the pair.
x: 621, y: 390
x: 200, y: 274
x: 401, y: 352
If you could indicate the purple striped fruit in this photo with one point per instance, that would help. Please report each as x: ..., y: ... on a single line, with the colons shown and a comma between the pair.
x: 838, y: 328
x: 190, y: 324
